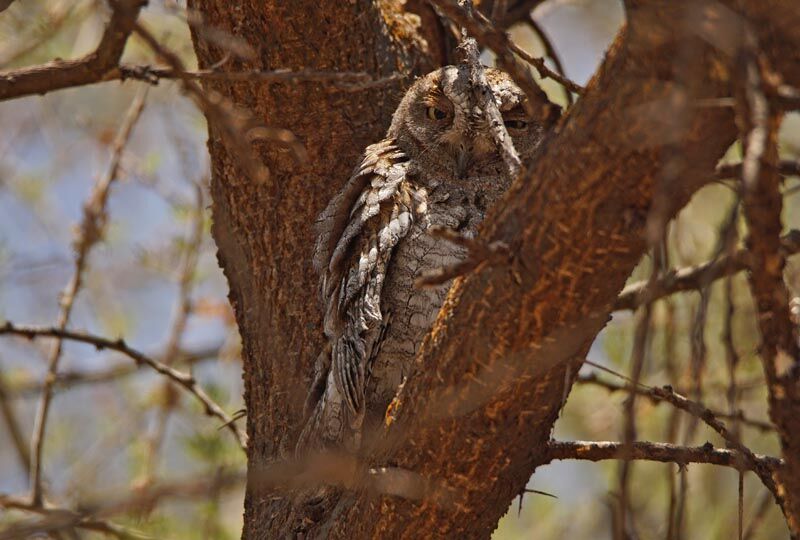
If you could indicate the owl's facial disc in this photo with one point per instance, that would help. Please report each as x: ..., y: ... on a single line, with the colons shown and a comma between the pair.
x: 439, y: 120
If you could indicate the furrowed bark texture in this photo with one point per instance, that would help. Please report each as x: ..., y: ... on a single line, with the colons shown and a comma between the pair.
x: 492, y: 376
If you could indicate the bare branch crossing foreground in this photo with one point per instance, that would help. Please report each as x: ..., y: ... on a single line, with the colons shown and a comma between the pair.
x: 183, y: 380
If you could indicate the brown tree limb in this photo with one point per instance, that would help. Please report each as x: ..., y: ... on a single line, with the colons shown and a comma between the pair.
x: 303, y: 35
x: 651, y: 451
x: 763, y: 202
x: 518, y: 316
x: 92, y: 68
x: 692, y: 278
x: 183, y: 380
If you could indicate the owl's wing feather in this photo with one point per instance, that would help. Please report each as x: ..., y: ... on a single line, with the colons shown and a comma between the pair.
x: 357, y: 233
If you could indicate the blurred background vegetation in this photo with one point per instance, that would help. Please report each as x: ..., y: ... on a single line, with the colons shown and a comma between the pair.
x: 115, y: 430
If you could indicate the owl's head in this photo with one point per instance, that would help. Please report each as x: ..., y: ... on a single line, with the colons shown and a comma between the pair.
x: 437, y: 121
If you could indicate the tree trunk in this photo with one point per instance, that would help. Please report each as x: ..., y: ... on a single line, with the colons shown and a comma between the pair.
x: 475, y: 418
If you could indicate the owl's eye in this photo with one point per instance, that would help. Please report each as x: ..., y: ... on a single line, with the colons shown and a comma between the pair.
x: 436, y: 114
x: 516, y: 124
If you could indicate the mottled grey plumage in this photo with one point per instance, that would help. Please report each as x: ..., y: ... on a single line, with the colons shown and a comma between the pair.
x: 438, y: 165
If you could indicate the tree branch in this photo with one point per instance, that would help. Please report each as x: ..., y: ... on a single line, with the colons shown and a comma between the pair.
x: 593, y: 380
x: 693, y: 278
x: 763, y: 203
x: 345, y: 80
x: 183, y: 380
x: 576, y: 228
x: 67, y: 379
x: 89, y: 69
x: 650, y: 451
x: 700, y: 411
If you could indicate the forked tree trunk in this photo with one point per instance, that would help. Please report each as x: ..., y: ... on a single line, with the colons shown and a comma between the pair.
x: 575, y: 224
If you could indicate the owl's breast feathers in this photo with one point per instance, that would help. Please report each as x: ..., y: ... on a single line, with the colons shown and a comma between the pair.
x: 356, y: 234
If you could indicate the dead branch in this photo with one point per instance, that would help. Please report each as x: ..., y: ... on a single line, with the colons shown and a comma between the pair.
x: 66, y: 379
x: 183, y: 380
x: 663, y: 452
x: 592, y: 379
x: 236, y: 127
x: 550, y: 51
x: 343, y: 80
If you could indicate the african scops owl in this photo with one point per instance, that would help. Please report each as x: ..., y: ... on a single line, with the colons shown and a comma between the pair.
x: 438, y: 165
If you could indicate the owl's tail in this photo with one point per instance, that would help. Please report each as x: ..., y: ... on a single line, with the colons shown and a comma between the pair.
x: 329, y: 421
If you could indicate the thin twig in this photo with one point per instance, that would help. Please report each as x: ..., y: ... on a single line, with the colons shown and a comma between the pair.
x: 237, y: 128
x: 343, y: 80
x: 550, y: 51
x: 663, y: 452
x: 182, y: 379
x: 488, y: 36
x: 707, y: 416
x: 728, y: 171
x: 90, y: 232
x: 478, y: 255
x: 638, y: 356
x: 66, y: 380
x: 56, y: 519
x: 764, y: 504
x: 674, y: 511
x: 13, y: 427
x: 640, y: 343
x: 698, y: 410
x: 182, y: 311
x: 738, y: 416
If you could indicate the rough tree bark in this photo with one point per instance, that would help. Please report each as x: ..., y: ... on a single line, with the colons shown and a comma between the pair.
x: 576, y: 224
